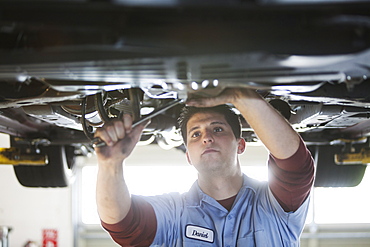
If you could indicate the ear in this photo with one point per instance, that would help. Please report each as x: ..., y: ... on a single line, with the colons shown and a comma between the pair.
x: 188, y: 158
x: 241, y: 145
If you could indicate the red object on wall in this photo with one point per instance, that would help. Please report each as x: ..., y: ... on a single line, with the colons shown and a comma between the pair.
x: 49, y: 238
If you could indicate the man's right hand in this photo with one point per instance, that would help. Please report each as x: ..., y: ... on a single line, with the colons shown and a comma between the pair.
x: 120, y: 139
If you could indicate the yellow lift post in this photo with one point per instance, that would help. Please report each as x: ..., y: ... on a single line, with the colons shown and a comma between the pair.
x: 362, y: 157
x: 13, y: 156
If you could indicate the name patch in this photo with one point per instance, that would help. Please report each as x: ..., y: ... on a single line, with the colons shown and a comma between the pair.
x: 199, y: 233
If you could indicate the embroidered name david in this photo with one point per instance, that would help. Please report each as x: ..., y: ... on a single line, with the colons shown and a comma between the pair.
x: 199, y: 233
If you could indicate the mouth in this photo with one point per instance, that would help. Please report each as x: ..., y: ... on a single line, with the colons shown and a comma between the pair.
x: 209, y: 151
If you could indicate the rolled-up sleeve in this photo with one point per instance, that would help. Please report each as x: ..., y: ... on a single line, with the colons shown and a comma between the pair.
x: 139, y: 226
x: 291, y: 179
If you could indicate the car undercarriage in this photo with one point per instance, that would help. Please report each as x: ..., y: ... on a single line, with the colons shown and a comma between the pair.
x: 67, y: 67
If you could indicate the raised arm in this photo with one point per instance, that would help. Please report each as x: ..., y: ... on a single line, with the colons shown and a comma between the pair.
x: 271, y: 128
x: 112, y: 195
x: 291, y: 165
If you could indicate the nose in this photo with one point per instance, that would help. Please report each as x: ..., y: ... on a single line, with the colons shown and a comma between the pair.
x: 208, y: 137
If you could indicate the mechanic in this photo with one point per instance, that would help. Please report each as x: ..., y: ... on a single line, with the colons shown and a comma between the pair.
x: 224, y: 207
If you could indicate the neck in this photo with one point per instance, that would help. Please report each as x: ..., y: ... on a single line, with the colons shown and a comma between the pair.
x: 221, y: 187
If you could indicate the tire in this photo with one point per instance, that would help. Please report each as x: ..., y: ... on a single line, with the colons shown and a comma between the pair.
x: 329, y: 174
x: 57, y: 173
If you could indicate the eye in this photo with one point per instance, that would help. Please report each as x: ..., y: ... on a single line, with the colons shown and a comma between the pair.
x: 195, y: 134
x: 218, y: 129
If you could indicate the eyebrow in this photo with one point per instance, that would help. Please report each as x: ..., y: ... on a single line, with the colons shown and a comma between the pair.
x: 212, y: 123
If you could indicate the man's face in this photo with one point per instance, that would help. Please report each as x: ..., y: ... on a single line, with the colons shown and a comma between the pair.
x: 211, y: 144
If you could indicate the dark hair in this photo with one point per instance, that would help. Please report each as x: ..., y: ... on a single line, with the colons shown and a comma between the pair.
x: 231, y: 118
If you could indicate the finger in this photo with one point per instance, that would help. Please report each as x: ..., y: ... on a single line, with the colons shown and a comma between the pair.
x: 127, y: 122
x: 201, y: 102
x: 144, y: 124
x: 104, y: 136
x: 137, y: 131
x: 110, y: 129
x: 120, y: 129
x: 226, y: 96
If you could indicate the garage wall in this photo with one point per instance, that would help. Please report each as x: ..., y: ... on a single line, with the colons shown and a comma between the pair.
x: 30, y: 210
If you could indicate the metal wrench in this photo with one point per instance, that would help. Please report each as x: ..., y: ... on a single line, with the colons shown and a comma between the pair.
x: 97, y: 142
